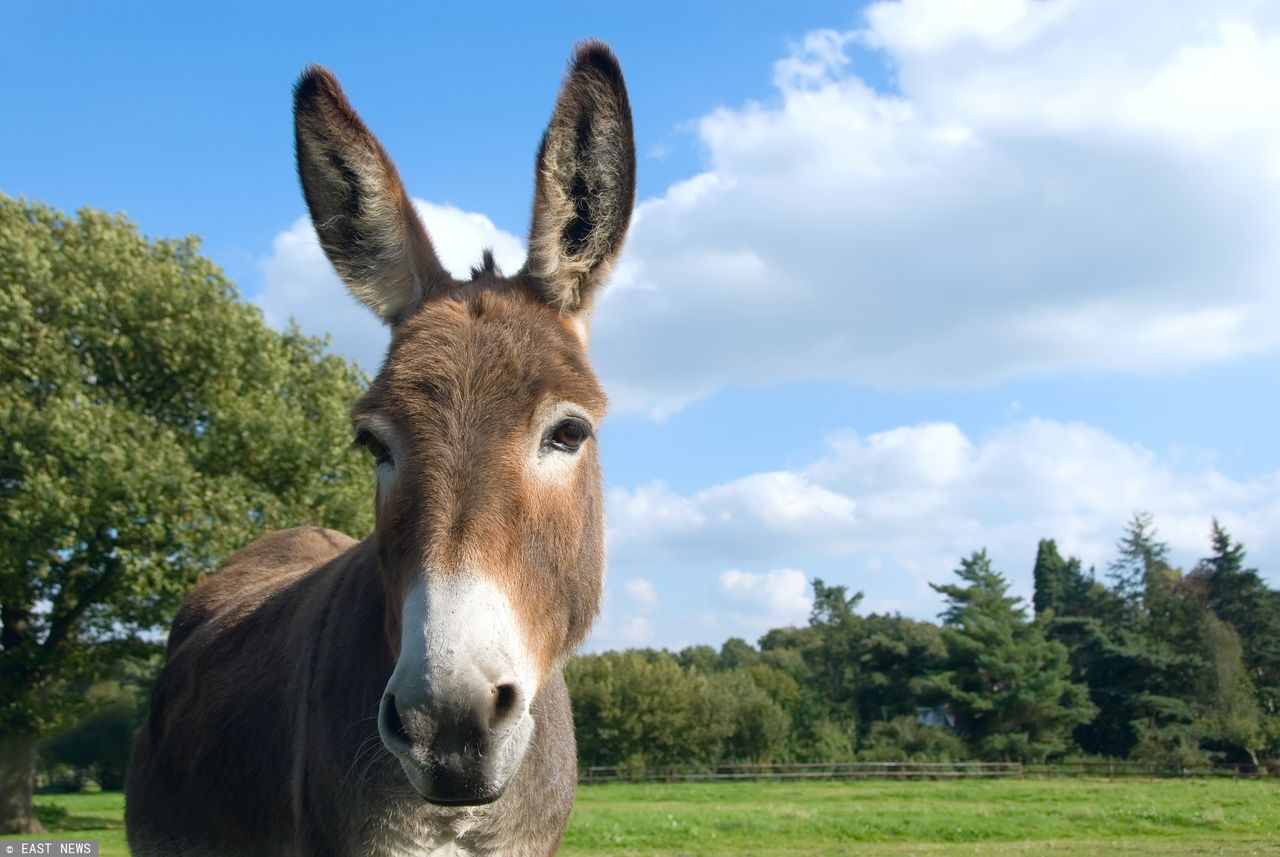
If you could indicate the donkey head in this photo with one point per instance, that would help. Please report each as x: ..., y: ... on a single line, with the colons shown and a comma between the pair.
x: 490, y: 532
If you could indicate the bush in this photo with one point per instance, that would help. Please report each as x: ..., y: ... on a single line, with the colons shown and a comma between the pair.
x: 903, y: 739
x: 1175, y: 747
x: 829, y: 742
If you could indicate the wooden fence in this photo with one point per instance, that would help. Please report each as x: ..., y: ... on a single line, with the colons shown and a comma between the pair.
x: 900, y: 771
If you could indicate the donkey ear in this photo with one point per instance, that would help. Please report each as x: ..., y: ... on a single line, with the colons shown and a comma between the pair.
x: 586, y: 181
x: 365, y: 221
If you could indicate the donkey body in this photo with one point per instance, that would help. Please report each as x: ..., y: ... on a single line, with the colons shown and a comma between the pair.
x: 403, y: 695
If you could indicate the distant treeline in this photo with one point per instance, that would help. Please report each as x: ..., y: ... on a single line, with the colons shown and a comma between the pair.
x: 1149, y: 663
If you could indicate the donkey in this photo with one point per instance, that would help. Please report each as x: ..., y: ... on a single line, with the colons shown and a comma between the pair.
x: 404, y: 695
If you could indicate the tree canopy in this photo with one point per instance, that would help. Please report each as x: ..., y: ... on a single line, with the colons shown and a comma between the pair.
x: 152, y: 423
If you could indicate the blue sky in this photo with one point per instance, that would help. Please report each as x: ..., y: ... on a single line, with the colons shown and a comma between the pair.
x: 905, y: 280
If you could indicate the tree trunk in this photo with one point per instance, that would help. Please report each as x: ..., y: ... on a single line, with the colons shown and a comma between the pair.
x: 17, y: 782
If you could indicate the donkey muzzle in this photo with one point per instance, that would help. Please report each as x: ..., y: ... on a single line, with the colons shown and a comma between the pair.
x: 455, y: 712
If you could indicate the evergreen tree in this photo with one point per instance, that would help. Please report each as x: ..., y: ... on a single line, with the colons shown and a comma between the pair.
x: 1061, y: 585
x: 1116, y: 639
x: 832, y: 653
x: 1142, y: 564
x: 1047, y: 578
x: 1009, y: 686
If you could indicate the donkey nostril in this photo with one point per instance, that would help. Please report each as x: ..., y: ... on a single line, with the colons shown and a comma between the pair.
x: 506, y: 700
x: 392, y: 725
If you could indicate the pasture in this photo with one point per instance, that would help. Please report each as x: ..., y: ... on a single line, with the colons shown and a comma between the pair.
x: 982, y: 817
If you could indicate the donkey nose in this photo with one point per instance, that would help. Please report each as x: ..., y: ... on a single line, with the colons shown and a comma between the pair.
x: 448, y: 739
x: 507, y: 704
x: 391, y: 726
x: 450, y: 723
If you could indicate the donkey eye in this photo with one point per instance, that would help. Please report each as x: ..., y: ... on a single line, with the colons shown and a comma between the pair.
x: 569, y: 435
x: 375, y: 447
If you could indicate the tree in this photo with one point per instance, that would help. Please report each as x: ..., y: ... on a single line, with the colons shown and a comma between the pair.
x: 759, y: 727
x: 1061, y: 585
x: 736, y: 652
x: 1141, y: 566
x: 700, y: 658
x: 1241, y: 598
x: 98, y: 744
x: 832, y: 650
x: 640, y: 708
x: 1238, y: 596
x: 151, y: 423
x: 1230, y: 703
x: 1164, y: 655
x: 1133, y: 645
x: 1008, y: 684
x: 895, y: 658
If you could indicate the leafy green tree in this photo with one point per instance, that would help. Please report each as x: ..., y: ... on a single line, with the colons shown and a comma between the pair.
x: 151, y: 424
x: 1008, y: 684
x: 628, y: 707
x: 98, y: 744
x: 1234, y: 719
x: 759, y: 728
x: 828, y: 741
x: 701, y: 659
x: 736, y: 652
x: 787, y: 674
x: 777, y: 682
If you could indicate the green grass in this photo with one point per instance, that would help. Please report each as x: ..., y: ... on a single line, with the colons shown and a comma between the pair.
x: 99, y: 815
x: 994, y: 817
x: 979, y: 817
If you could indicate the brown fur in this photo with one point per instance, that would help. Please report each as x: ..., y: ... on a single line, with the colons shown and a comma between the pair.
x: 262, y: 737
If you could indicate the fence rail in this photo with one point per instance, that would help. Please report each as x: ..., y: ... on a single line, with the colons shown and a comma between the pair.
x: 899, y: 771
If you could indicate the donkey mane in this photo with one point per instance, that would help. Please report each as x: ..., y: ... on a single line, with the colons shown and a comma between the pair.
x: 487, y: 267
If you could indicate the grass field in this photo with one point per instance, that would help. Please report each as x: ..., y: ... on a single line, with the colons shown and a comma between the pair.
x: 980, y: 817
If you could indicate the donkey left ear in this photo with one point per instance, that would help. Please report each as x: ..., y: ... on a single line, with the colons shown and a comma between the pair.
x: 586, y: 182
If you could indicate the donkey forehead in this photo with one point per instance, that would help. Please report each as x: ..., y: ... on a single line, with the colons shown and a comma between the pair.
x: 480, y: 353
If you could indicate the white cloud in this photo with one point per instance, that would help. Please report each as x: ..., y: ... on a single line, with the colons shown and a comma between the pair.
x: 635, y: 631
x: 298, y: 281
x: 621, y: 632
x: 757, y: 513
x: 774, y: 598
x: 1054, y: 185
x: 642, y: 592
x: 913, y: 500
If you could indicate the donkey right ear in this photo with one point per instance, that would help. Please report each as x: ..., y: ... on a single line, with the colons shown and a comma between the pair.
x: 365, y: 221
